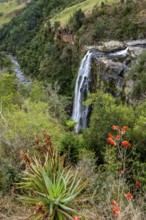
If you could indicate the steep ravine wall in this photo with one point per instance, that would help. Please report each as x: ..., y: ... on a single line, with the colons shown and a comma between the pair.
x: 109, y: 70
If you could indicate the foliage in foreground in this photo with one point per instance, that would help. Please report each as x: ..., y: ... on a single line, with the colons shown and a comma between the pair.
x: 117, y: 194
x: 53, y: 187
x: 106, y: 111
x: 126, y: 195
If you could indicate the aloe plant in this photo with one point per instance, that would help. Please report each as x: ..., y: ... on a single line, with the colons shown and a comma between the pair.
x: 53, y: 187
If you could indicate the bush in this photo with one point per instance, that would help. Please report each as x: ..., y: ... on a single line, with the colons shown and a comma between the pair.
x: 9, y: 175
x: 106, y: 111
x: 100, y: 27
x: 77, y: 20
x: 70, y: 145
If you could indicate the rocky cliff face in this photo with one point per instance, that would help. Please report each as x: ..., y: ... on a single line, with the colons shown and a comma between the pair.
x: 112, y: 60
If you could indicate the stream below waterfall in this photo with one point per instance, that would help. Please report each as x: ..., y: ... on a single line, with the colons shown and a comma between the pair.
x: 18, y: 72
x: 80, y: 113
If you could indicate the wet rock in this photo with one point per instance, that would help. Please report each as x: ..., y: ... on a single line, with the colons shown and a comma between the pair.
x: 128, y: 88
x: 135, y: 51
x: 111, y: 72
x: 111, y: 68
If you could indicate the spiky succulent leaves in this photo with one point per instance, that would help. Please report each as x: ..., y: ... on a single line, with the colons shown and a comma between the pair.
x: 54, y: 188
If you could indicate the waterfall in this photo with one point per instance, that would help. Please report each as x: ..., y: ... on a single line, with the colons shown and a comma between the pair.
x: 83, y: 83
x: 82, y: 88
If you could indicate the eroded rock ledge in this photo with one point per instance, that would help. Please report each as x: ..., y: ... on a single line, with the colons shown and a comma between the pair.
x: 112, y: 60
x: 111, y: 46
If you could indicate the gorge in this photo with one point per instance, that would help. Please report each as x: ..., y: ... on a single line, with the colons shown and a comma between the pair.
x: 73, y: 110
x: 113, y: 61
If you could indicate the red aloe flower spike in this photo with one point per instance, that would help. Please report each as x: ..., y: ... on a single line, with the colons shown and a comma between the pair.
x: 125, y: 144
x: 111, y: 141
x: 125, y: 128
x: 138, y: 184
x: 110, y: 135
x: 129, y: 196
x: 122, y: 131
x: 76, y: 217
x: 113, y: 202
x: 118, y: 137
x: 116, y: 209
x: 115, y: 127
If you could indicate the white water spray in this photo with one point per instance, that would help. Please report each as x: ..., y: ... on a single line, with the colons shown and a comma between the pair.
x: 82, y: 88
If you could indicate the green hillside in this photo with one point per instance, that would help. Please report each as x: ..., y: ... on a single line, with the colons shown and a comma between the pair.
x: 11, y: 8
x: 86, y: 6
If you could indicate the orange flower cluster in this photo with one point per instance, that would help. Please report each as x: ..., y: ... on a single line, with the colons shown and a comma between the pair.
x: 76, y: 217
x: 129, y: 196
x: 116, y: 209
x: 122, y: 130
x: 125, y: 128
x: 113, y: 202
x: 118, y: 137
x: 125, y: 144
x: 138, y: 184
x: 113, y: 140
x: 116, y: 127
x: 110, y: 135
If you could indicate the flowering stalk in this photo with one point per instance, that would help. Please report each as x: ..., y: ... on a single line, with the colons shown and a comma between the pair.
x: 122, y: 155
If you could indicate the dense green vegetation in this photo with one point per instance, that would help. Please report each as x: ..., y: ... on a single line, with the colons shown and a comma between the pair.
x: 25, y: 110
x: 119, y: 21
x: 41, y: 50
x: 112, y: 169
x: 38, y: 45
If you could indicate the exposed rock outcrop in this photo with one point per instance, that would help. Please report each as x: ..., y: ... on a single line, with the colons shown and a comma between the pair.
x: 112, y: 46
x: 112, y: 63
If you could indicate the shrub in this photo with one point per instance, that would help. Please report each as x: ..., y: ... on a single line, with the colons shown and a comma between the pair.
x: 8, y: 176
x: 70, y: 145
x: 77, y: 20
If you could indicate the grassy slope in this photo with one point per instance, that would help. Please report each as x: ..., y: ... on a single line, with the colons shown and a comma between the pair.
x: 65, y: 15
x: 9, y: 9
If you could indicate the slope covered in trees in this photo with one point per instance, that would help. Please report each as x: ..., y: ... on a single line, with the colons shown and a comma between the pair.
x: 52, y: 53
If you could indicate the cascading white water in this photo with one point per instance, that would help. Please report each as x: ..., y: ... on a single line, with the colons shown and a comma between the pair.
x: 83, y: 82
